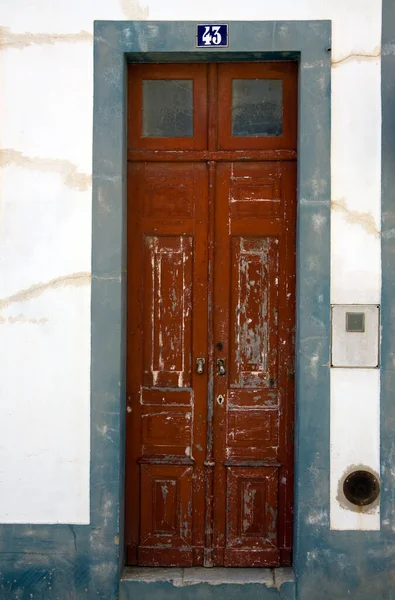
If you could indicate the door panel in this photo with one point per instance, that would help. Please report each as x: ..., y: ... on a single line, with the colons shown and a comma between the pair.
x: 167, y: 400
x: 253, y: 514
x: 254, y: 304
x: 168, y: 107
x: 211, y: 314
x: 256, y: 106
x: 166, y: 519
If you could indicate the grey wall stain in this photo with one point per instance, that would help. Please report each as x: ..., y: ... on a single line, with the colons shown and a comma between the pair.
x: 10, y: 39
x: 35, y: 290
x: 388, y: 49
x: 364, y: 220
x: 68, y: 171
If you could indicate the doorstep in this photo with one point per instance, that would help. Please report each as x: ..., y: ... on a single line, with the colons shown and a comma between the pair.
x: 199, y: 583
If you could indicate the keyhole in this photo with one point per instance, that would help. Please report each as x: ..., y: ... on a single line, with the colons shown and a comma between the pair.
x: 220, y: 346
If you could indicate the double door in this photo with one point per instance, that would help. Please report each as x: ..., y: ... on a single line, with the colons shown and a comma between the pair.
x: 211, y: 284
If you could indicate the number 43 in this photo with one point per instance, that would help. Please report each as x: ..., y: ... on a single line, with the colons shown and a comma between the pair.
x: 211, y: 35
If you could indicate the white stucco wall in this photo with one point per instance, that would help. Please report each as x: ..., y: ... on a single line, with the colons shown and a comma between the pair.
x: 45, y: 231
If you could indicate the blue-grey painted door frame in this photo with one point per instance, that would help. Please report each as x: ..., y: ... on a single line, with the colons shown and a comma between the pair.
x: 309, y: 43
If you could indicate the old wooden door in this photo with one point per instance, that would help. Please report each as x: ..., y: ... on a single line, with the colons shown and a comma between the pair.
x: 211, y: 286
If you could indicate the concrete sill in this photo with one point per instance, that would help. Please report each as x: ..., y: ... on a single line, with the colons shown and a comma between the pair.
x: 197, y: 582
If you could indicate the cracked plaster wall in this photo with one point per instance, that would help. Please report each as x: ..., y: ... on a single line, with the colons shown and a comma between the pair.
x: 46, y: 68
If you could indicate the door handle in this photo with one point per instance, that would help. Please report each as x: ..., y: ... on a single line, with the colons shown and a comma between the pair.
x: 221, y: 364
x: 200, y: 366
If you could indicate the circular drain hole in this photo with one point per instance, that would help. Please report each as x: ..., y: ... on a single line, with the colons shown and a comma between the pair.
x: 361, y: 488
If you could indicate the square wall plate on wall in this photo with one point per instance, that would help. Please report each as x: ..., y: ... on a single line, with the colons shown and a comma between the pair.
x: 355, y: 335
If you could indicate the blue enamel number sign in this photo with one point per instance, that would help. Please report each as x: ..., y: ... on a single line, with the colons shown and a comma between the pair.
x: 211, y: 36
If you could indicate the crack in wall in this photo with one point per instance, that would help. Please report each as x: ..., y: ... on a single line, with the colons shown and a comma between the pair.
x: 71, y: 527
x: 10, y: 39
x: 68, y: 171
x: 34, y: 291
x: 356, y: 56
x: 364, y: 220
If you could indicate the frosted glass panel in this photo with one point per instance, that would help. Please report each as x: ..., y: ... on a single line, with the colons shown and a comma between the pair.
x: 257, y: 107
x: 167, y: 108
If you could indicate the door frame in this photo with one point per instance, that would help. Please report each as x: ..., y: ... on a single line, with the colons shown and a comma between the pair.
x: 115, y: 43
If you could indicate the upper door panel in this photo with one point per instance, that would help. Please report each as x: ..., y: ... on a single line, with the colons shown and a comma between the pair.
x: 257, y: 106
x: 167, y: 107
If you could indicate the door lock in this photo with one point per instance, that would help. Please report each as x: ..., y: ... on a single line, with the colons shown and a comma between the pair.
x: 220, y: 399
x: 200, y: 366
x: 221, y: 364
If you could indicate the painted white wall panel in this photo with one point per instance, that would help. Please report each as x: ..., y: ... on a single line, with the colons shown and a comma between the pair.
x: 355, y: 439
x: 45, y: 231
x: 44, y: 432
x: 50, y: 104
x: 355, y: 256
x: 356, y: 181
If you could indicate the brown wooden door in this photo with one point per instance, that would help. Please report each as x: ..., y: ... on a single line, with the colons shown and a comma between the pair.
x: 211, y: 286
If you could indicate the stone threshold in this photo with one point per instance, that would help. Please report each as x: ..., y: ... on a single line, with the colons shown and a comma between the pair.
x: 181, y: 577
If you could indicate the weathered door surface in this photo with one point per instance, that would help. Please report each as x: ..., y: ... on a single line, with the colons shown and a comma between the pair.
x: 211, y: 292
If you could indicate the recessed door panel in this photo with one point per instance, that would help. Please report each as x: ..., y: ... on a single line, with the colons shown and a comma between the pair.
x: 252, y: 508
x: 254, y: 311
x: 166, y: 521
x: 167, y: 330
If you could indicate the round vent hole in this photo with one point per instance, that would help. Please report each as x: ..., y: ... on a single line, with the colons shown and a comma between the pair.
x: 361, y: 488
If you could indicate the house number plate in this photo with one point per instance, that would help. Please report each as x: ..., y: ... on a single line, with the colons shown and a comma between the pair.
x: 211, y: 35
